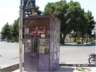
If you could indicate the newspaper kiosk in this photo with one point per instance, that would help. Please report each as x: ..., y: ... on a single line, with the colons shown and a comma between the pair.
x: 41, y: 43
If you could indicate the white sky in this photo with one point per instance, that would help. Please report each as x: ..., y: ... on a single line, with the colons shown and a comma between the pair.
x: 9, y: 9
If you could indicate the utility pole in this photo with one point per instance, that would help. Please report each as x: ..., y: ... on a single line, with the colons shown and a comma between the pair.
x: 25, y: 7
x: 21, y: 54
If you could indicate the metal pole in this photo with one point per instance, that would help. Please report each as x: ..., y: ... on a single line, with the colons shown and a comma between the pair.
x: 21, y: 55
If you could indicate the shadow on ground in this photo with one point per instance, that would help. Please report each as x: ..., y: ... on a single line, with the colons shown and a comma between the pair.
x: 31, y: 65
x: 65, y: 70
x: 61, y: 70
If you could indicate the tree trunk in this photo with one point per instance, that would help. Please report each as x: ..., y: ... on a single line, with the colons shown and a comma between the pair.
x: 62, y: 38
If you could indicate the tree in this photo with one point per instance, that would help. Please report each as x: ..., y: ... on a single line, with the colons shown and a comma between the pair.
x: 91, y: 23
x: 6, y: 32
x: 72, y: 17
x: 15, y: 30
x: 59, y: 9
x: 11, y: 32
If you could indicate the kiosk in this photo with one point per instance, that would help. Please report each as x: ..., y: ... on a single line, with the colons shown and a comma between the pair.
x: 41, y: 43
x: 40, y: 39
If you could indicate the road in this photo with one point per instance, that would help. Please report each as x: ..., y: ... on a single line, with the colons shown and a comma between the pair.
x: 76, y: 54
x: 9, y: 54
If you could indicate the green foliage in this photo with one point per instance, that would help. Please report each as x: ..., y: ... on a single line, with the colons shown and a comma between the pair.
x: 11, y: 32
x: 6, y: 32
x: 15, y: 30
x: 72, y: 17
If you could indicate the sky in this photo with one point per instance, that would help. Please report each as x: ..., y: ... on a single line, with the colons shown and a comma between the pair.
x: 9, y: 9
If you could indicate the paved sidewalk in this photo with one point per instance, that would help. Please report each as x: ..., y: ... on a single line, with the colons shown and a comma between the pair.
x: 17, y: 70
x: 83, y: 69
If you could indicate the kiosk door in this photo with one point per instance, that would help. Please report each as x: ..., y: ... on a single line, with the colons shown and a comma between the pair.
x: 44, y: 61
x: 35, y: 45
x: 31, y: 55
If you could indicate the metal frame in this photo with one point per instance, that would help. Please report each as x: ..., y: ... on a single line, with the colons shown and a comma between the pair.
x: 20, y: 36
